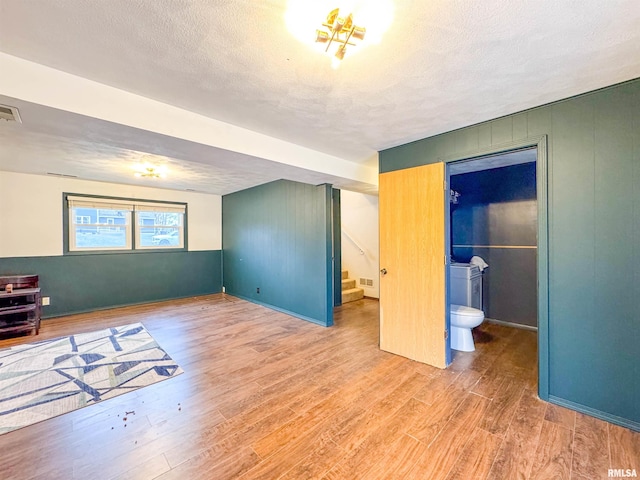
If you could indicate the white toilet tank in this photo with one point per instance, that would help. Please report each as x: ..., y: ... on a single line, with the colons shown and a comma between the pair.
x: 465, y: 282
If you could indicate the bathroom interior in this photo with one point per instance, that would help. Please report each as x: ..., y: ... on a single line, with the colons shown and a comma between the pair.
x: 493, y: 240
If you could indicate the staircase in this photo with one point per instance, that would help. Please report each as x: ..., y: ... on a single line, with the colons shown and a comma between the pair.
x: 350, y: 293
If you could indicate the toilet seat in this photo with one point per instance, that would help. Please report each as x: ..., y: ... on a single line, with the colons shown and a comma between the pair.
x: 464, y: 311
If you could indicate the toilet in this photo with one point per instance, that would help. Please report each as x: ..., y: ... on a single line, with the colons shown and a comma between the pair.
x: 463, y: 319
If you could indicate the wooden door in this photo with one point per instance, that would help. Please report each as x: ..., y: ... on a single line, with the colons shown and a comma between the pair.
x: 412, y: 253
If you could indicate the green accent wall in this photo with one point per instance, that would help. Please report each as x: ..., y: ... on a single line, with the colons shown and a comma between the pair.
x: 593, y: 253
x: 81, y: 283
x: 277, y: 238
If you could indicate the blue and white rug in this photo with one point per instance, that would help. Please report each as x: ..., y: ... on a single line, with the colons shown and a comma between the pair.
x: 48, y: 378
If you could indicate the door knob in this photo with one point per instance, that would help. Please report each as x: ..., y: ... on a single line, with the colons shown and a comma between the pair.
x: 383, y: 271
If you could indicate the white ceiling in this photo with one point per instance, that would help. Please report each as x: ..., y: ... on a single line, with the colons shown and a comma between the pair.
x: 444, y: 64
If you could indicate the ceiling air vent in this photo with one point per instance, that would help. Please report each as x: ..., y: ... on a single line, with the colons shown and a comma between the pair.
x: 10, y: 114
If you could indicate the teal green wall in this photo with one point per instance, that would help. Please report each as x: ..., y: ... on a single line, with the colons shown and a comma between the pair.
x: 80, y: 283
x: 593, y: 332
x: 277, y: 237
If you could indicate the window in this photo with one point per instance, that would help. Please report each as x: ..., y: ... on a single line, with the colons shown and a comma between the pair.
x: 159, y: 226
x: 99, y: 223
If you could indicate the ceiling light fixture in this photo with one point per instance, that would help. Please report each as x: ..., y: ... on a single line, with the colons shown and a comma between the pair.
x: 148, y: 170
x: 340, y: 33
x: 341, y: 30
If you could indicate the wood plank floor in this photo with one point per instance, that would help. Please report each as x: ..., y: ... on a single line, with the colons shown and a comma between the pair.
x: 268, y: 396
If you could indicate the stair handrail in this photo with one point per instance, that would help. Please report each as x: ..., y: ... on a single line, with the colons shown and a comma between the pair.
x: 346, y: 234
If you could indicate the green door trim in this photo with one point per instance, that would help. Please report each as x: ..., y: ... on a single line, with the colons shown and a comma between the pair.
x: 542, y: 186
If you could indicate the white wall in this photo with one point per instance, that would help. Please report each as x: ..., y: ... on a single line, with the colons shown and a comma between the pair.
x: 31, y: 212
x: 360, y: 225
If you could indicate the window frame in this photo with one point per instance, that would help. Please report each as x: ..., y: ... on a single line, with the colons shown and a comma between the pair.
x: 131, y: 226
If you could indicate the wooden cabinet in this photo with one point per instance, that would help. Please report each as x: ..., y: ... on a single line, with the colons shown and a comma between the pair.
x: 20, y: 307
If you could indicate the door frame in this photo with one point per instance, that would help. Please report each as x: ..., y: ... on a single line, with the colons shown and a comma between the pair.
x: 336, y: 235
x: 542, y: 189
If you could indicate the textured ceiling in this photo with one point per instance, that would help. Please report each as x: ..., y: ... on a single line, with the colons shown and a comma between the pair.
x: 97, y: 150
x: 444, y: 64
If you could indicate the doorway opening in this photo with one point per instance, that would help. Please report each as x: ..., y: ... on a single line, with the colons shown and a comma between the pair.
x: 492, y: 244
x: 358, y: 237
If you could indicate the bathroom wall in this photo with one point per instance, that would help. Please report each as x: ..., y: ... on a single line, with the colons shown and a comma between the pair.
x: 496, y: 219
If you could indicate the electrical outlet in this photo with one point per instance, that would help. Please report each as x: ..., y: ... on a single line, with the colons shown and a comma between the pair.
x: 46, y: 301
x: 224, y: 290
x: 258, y: 290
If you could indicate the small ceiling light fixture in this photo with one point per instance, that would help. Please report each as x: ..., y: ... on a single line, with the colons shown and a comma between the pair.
x: 149, y: 170
x: 341, y: 30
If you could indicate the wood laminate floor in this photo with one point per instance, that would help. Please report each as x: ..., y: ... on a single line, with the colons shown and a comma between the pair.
x: 267, y: 396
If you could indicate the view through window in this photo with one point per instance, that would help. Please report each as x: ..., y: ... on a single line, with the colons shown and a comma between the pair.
x: 101, y: 223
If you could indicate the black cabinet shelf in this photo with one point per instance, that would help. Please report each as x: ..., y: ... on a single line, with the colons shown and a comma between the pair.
x: 19, y: 307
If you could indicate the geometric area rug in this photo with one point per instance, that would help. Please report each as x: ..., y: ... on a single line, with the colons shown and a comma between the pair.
x: 48, y: 378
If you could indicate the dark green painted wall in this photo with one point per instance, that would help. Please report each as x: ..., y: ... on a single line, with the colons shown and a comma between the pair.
x: 80, y: 283
x: 594, y: 238
x: 277, y: 237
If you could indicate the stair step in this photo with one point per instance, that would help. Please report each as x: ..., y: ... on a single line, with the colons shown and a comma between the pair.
x: 352, y: 294
x: 348, y: 283
x: 345, y: 274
